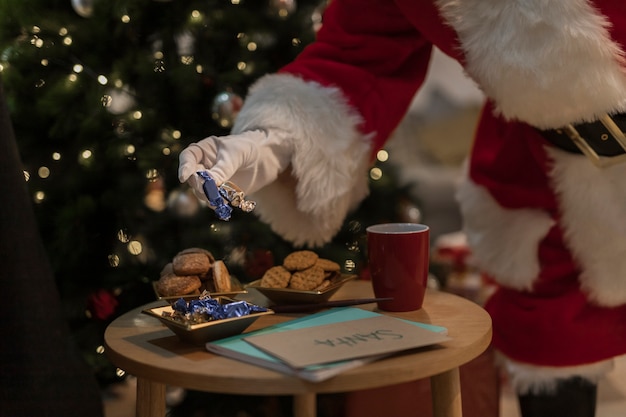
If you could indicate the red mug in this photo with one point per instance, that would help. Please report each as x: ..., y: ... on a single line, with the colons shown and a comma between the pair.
x: 398, y: 256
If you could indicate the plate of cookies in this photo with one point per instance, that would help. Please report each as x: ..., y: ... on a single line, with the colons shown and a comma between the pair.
x: 192, y: 272
x: 303, y: 278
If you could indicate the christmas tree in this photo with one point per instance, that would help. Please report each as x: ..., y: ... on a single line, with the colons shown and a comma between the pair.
x: 103, y: 97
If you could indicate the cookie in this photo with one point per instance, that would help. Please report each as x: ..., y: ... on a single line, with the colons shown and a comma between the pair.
x: 300, y: 260
x: 198, y: 250
x: 195, y: 263
x: 307, y: 279
x: 172, y: 285
x: 276, y: 277
x: 327, y: 265
x: 221, y: 277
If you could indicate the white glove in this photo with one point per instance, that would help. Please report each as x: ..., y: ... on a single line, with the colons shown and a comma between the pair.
x: 251, y: 160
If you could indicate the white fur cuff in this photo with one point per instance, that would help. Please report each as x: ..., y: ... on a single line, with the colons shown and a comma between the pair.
x: 329, y: 164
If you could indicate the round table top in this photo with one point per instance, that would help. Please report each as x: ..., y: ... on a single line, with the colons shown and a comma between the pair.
x: 143, y: 347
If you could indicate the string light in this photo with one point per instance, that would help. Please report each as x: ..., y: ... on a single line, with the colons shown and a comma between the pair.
x: 349, y: 265
x: 135, y: 247
x: 196, y: 16
x: 43, y: 172
x: 86, y: 154
x: 122, y: 236
x: 38, y: 42
x: 114, y: 260
x: 376, y: 173
x: 152, y: 175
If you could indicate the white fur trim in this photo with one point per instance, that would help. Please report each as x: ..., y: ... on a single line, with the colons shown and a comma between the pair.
x: 544, y: 62
x: 329, y: 164
x: 525, y: 378
x: 504, y: 242
x: 593, y: 205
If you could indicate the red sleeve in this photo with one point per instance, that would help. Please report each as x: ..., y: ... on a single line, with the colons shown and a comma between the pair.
x: 369, y: 50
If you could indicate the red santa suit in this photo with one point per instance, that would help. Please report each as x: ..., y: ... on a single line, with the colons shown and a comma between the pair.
x: 546, y: 224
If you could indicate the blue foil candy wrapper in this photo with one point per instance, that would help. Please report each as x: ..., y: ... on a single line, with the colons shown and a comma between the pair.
x: 223, y: 197
x: 209, y: 187
x: 211, y: 309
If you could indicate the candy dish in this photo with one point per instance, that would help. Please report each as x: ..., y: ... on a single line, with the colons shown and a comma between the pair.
x: 201, y: 333
x: 291, y: 296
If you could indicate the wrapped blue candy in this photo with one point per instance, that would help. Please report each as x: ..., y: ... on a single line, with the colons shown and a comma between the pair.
x: 223, y: 197
x: 206, y: 309
x: 216, y: 201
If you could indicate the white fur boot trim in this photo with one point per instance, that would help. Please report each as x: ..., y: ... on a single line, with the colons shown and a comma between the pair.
x: 526, y: 378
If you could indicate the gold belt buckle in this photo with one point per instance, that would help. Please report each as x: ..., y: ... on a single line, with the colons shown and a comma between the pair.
x: 589, y: 152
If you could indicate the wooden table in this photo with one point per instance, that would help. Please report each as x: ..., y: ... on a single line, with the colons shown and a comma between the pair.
x: 143, y: 347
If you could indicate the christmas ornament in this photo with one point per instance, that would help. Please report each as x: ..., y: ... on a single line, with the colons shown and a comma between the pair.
x: 185, y: 43
x: 154, y: 198
x: 282, y: 8
x: 183, y: 203
x: 225, y: 108
x: 119, y: 100
x: 84, y: 8
x: 408, y: 212
x: 101, y: 304
x: 257, y: 262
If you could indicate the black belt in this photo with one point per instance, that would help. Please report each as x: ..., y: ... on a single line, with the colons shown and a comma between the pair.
x: 603, y: 141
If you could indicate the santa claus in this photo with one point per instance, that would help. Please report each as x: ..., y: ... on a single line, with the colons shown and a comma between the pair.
x: 543, y: 201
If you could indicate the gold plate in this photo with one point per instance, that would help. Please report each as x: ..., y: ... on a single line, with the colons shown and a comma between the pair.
x: 283, y: 296
x: 199, y: 334
x: 236, y: 286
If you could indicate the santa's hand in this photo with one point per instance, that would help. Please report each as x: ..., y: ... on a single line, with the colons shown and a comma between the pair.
x: 252, y: 160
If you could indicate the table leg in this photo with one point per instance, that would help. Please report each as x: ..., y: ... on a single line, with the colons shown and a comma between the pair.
x: 446, y: 393
x: 150, y: 398
x: 305, y: 405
